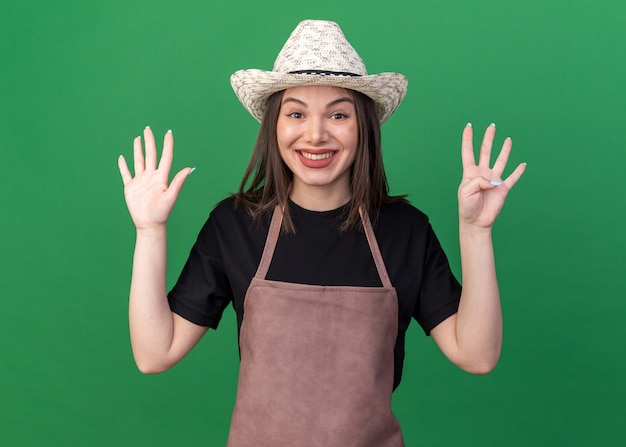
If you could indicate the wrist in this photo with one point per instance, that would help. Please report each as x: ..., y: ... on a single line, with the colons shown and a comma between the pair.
x: 152, y: 232
x: 475, y: 230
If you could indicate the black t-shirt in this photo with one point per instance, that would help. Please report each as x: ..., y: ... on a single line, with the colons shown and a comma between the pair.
x: 228, y: 249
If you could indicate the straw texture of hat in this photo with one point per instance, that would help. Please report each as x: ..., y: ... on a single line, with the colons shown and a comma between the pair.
x: 318, y: 53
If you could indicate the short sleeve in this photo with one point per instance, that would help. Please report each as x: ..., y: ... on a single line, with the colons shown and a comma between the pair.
x: 440, y: 292
x: 202, y: 291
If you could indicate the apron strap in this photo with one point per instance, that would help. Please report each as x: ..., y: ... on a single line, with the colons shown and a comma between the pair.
x: 373, y: 243
x: 270, y: 243
x: 272, y: 238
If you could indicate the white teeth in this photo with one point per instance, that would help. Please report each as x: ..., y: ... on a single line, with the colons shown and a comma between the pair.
x: 317, y: 156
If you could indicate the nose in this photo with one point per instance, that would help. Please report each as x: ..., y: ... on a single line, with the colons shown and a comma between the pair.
x: 316, y: 131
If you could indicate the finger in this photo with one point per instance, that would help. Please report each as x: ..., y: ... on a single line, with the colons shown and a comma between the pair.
x: 124, y: 171
x: 467, y: 148
x: 484, y: 159
x: 512, y: 179
x: 151, y: 152
x: 138, y: 156
x: 503, y: 158
x: 178, y: 181
x: 165, y: 164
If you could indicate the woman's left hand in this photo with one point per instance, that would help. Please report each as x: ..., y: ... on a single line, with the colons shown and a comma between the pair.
x: 482, y: 191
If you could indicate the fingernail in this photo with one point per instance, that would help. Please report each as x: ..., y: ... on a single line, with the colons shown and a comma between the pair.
x: 191, y: 172
x: 496, y: 183
x: 169, y: 131
x: 468, y: 125
x: 147, y: 127
x: 492, y: 125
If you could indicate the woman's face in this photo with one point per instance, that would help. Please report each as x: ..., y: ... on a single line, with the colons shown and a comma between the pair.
x: 317, y: 132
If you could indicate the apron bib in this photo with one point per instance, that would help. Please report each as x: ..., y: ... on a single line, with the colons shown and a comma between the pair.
x: 317, y: 362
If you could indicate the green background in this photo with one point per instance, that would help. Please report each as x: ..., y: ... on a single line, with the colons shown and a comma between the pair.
x: 79, y: 80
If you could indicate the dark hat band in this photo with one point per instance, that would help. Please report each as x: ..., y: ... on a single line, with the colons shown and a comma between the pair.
x: 325, y: 73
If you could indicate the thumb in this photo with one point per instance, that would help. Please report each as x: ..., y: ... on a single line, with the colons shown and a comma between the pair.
x: 495, y: 183
x: 476, y: 185
x: 486, y: 184
x: 179, y: 180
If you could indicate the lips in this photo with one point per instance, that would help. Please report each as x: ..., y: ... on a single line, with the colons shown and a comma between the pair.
x: 316, y: 159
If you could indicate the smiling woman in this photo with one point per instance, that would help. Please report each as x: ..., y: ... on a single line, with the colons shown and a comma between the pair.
x: 317, y: 134
x: 324, y: 268
x: 354, y: 117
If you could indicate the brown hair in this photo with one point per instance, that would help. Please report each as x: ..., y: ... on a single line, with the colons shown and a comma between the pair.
x: 267, y: 179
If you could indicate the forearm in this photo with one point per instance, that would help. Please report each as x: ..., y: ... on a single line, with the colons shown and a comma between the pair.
x: 150, y: 317
x: 159, y: 337
x: 479, y: 318
x: 472, y: 338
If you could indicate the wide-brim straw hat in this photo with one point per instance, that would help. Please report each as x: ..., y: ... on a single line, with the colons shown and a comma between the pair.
x: 318, y: 53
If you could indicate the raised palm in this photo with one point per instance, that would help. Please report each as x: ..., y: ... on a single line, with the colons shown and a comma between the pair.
x: 150, y: 196
x: 482, y: 191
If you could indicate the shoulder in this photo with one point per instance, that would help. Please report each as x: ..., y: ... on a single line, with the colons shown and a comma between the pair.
x: 225, y: 208
x: 229, y: 219
x: 227, y: 212
x: 399, y: 215
x: 401, y: 224
x: 222, y: 217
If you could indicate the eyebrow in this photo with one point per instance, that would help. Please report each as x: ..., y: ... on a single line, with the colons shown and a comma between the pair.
x: 328, y: 106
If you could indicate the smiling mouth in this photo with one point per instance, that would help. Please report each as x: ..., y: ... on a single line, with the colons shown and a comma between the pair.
x: 321, y: 156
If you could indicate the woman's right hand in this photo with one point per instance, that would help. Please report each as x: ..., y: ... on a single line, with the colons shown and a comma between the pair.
x: 149, y: 195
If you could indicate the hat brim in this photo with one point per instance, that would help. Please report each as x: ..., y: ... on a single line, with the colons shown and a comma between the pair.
x: 253, y: 87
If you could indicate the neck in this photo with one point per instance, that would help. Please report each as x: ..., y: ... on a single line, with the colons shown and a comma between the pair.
x: 319, y: 198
